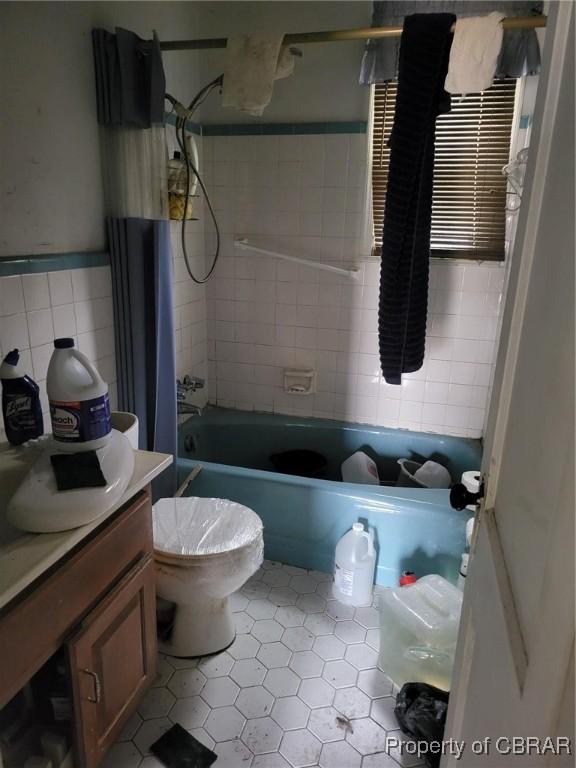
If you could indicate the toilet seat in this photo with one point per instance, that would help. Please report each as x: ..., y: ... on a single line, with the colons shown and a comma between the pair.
x: 190, y: 530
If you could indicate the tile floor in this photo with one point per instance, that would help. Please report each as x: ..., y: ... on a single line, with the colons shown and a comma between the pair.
x: 300, y: 685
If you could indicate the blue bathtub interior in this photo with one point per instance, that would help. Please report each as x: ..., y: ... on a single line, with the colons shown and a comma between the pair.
x: 415, y: 529
x: 243, y: 439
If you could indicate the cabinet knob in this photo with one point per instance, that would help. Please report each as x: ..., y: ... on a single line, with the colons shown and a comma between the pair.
x: 97, y: 686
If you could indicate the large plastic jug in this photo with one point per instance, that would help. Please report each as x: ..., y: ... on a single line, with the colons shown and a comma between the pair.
x: 359, y: 468
x: 78, y: 397
x: 354, y: 566
x: 419, y: 628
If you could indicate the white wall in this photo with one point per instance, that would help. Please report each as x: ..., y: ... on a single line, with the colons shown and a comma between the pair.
x: 324, y: 86
x: 50, y: 178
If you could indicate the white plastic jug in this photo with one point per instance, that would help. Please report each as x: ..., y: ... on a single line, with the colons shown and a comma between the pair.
x: 78, y: 396
x: 359, y: 468
x: 354, y: 566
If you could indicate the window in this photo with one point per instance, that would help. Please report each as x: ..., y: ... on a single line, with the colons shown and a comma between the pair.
x: 472, y: 146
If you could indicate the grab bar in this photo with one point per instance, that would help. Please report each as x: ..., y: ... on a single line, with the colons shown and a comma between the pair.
x: 243, y: 244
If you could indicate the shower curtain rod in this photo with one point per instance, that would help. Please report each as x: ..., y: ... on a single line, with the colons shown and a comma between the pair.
x: 339, y: 35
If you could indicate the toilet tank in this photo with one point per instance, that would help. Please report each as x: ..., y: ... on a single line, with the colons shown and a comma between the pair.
x: 419, y: 628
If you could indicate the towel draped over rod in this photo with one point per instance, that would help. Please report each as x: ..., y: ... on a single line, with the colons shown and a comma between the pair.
x: 339, y: 35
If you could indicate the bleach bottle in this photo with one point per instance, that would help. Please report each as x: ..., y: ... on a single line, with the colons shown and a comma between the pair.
x: 354, y: 566
x: 78, y: 396
x: 20, y: 402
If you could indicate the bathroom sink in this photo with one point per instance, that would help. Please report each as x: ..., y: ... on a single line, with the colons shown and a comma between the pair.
x: 39, y: 507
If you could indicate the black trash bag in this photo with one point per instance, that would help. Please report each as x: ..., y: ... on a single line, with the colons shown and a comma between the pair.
x: 421, y: 713
x: 299, y: 462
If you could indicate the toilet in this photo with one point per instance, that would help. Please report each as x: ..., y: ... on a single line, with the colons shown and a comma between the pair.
x: 204, y: 550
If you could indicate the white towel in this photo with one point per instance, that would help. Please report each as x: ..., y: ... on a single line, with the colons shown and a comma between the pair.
x: 253, y: 62
x: 474, y: 53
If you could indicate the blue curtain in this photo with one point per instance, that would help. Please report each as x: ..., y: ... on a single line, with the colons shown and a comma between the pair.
x: 130, y: 95
x: 519, y: 56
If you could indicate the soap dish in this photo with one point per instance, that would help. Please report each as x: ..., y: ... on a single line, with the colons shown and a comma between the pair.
x: 299, y: 382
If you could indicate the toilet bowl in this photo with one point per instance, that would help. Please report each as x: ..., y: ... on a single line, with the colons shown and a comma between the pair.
x: 204, y: 550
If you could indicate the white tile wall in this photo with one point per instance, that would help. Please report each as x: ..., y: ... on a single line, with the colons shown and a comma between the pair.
x: 304, y: 195
x: 190, y: 308
x: 35, y: 309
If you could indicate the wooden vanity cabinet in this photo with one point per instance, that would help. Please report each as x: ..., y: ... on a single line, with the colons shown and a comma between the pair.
x: 99, y: 603
x: 112, y: 661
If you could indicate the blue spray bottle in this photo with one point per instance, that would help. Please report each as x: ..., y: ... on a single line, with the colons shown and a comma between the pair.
x: 20, y: 402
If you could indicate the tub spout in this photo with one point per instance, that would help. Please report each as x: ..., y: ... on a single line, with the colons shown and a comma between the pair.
x: 187, y: 408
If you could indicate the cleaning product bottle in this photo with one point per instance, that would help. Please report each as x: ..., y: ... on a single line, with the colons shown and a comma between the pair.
x: 78, y: 396
x: 359, y: 468
x: 20, y: 402
x: 354, y: 566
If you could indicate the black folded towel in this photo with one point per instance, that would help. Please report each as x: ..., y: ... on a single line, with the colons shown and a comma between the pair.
x: 424, y: 54
x: 77, y: 470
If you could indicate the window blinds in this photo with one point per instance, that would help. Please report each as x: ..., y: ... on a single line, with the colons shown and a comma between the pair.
x: 472, y: 146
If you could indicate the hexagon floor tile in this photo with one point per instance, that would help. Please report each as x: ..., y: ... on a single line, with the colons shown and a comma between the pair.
x: 301, y: 748
x: 225, y: 723
x: 299, y: 686
x: 262, y: 735
x: 190, y: 712
x: 290, y: 713
x: 339, y: 754
x: 255, y: 701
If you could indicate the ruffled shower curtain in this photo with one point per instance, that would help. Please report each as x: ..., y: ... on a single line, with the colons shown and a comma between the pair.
x: 130, y: 90
x: 520, y: 54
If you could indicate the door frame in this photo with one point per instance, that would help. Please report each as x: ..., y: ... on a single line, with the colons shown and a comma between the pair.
x: 557, y: 55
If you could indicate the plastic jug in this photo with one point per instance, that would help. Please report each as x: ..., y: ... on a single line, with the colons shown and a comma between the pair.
x: 354, y: 566
x: 427, y: 475
x: 419, y: 628
x: 78, y: 396
x: 359, y: 468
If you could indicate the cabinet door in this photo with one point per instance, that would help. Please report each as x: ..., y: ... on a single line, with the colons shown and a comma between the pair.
x: 113, y: 661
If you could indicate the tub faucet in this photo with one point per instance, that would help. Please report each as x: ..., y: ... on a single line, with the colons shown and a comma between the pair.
x: 191, y: 383
x: 187, y: 408
x: 188, y: 384
x: 184, y: 388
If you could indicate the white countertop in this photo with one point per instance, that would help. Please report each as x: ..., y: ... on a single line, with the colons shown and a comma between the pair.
x: 25, y: 556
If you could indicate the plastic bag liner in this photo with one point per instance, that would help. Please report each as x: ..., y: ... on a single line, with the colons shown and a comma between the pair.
x: 189, y: 525
x: 421, y: 713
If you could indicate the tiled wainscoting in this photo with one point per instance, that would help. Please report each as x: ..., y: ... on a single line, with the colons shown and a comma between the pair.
x: 300, y: 686
x: 37, y: 308
x: 304, y: 195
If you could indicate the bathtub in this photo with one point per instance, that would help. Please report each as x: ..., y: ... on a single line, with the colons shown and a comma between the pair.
x: 415, y: 529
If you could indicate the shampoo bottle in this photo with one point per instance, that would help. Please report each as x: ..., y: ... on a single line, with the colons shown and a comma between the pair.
x: 20, y: 402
